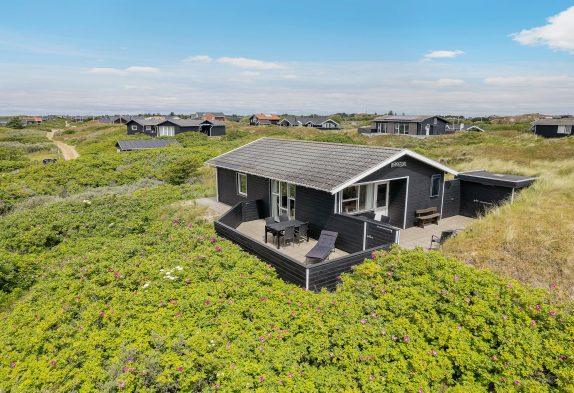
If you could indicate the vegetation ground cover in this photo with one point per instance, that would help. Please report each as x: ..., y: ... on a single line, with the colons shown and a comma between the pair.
x: 110, y: 280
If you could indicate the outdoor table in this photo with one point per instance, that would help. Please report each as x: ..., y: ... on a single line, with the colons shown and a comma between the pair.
x: 279, y: 227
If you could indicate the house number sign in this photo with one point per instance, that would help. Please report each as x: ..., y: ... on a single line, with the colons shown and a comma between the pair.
x: 399, y: 164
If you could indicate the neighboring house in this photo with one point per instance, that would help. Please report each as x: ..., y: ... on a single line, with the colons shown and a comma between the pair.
x: 159, y: 126
x: 407, y: 125
x: 26, y: 121
x: 219, y: 116
x: 263, y: 119
x: 322, y: 122
x: 553, y: 128
x: 235, y: 119
x: 365, y: 194
x: 3, y: 122
x: 145, y: 144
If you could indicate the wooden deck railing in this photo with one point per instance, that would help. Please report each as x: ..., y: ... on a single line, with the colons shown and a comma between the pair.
x: 325, y: 274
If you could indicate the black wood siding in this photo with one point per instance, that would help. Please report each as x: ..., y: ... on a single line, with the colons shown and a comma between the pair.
x: 287, y: 268
x: 257, y: 188
x: 315, y: 207
x: 548, y: 131
x: 451, y: 204
x: 435, y: 129
x: 326, y: 274
x: 351, y: 232
x: 476, y: 199
x: 217, y: 131
x: 419, y: 175
x: 397, y: 195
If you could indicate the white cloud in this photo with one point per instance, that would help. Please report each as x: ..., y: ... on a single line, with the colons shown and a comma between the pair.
x: 558, y: 33
x: 444, y: 82
x: 198, y: 59
x: 289, y: 76
x: 530, y: 80
x: 252, y: 64
x: 443, y: 54
x: 127, y: 71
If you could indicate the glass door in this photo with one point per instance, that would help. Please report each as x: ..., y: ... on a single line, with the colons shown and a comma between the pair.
x: 282, y: 199
x: 381, y: 199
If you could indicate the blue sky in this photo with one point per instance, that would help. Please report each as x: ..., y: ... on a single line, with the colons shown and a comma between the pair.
x: 471, y: 57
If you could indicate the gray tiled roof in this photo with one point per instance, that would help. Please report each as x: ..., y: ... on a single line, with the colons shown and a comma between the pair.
x: 145, y: 144
x: 319, y: 165
x: 317, y: 120
x: 406, y: 118
x: 568, y: 121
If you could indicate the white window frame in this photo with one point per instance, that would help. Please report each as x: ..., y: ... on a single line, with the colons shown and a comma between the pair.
x: 564, y: 129
x: 358, y: 198
x: 439, y: 176
x: 404, y: 126
x: 238, y: 185
x: 148, y: 128
x: 276, y: 208
x: 382, y: 128
x: 134, y: 127
x: 435, y: 121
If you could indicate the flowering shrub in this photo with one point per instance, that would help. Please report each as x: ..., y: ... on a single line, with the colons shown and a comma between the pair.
x: 106, y: 317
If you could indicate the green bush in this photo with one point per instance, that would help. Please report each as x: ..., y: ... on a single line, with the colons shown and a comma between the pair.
x: 181, y: 170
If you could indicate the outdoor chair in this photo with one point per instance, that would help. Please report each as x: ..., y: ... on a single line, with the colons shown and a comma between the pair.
x: 269, y: 221
x: 444, y: 236
x: 302, y: 232
x: 283, y: 217
x: 288, y: 235
x: 325, y: 245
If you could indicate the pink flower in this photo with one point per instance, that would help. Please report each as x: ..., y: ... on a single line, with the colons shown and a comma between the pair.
x: 262, y: 339
x: 52, y: 362
x: 190, y: 226
x: 216, y: 386
x: 406, y: 339
x: 373, y: 255
x: 494, y: 358
x: 552, y: 312
x: 420, y: 391
x: 538, y: 307
x: 459, y: 327
x: 509, y: 285
x: 455, y: 277
x: 180, y: 369
x: 261, y: 378
x: 280, y: 382
x: 389, y: 273
x: 217, y: 248
x: 116, y: 274
x: 126, y: 369
x: 207, y: 302
x: 102, y: 314
x: 533, y: 323
x: 517, y: 382
x: 261, y: 348
x: 13, y: 364
x: 371, y: 378
x: 290, y: 375
x: 122, y: 384
x: 363, y: 321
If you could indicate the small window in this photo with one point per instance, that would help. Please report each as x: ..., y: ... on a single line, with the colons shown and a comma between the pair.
x: 242, y: 184
x: 435, y: 121
x: 435, y: 185
x: 134, y: 128
x: 148, y: 128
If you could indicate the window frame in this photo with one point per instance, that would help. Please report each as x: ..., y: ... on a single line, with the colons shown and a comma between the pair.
x: 238, y: 183
x: 433, y: 177
x: 134, y: 127
x: 405, y: 127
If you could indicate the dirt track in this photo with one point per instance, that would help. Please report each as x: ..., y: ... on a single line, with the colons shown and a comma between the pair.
x: 68, y: 152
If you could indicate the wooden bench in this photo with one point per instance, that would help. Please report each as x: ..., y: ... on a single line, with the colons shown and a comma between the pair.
x: 426, y: 216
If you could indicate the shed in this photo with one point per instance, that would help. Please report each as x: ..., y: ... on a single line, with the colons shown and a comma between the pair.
x: 482, y: 190
x: 144, y: 144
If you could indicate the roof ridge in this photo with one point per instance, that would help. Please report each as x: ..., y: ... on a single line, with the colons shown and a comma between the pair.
x: 332, y: 143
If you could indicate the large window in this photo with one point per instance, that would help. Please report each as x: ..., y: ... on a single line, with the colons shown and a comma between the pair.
x: 382, y: 128
x: 166, y: 131
x: 401, y: 128
x: 242, y: 184
x: 283, y: 197
x: 435, y: 185
x: 357, y: 198
x: 565, y: 130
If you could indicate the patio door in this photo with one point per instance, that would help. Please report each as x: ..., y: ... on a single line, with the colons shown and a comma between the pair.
x: 282, y: 199
x: 381, y: 199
